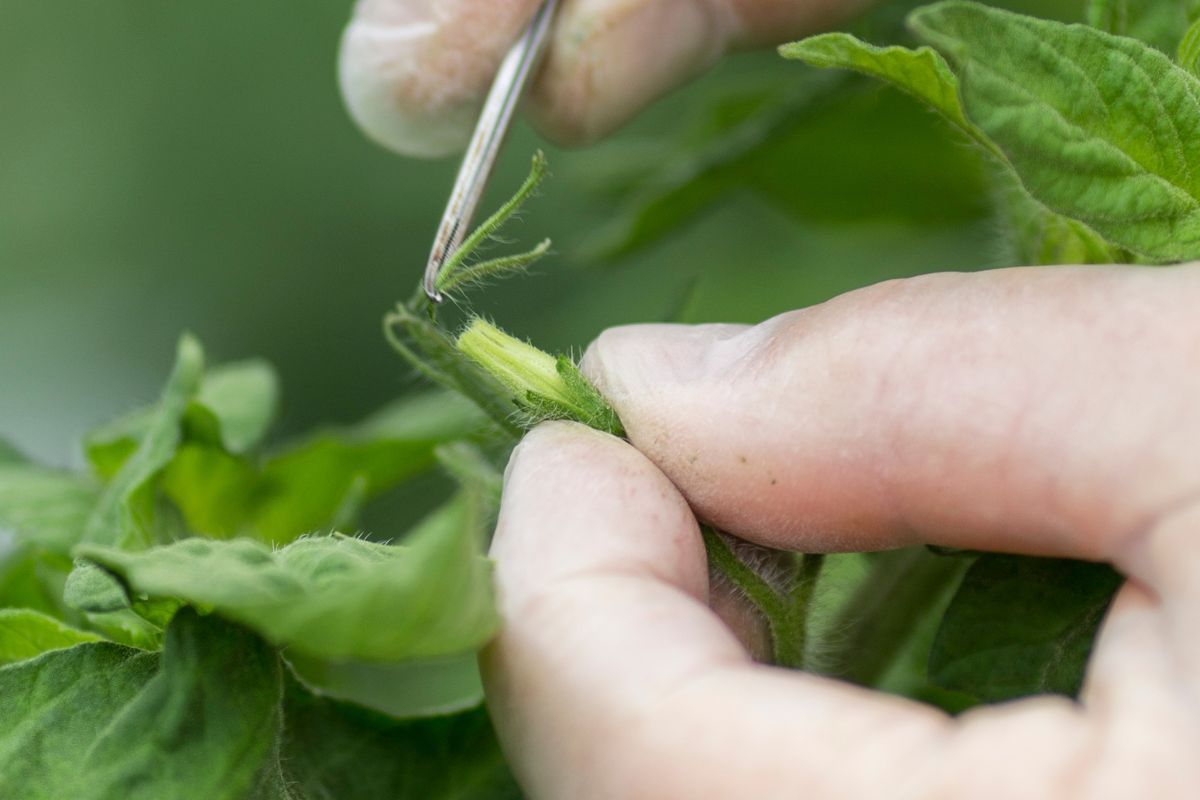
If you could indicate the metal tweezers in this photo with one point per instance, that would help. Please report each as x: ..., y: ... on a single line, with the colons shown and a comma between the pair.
x: 494, y: 122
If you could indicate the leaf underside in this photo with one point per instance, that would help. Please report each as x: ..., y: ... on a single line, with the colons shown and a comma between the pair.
x: 1021, y: 626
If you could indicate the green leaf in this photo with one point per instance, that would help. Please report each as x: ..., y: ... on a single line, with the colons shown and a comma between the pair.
x: 471, y: 469
x: 876, y: 623
x: 94, y: 590
x: 99, y: 721
x: 333, y: 751
x: 922, y: 73
x: 240, y: 400
x: 308, y: 487
x: 428, y: 349
x: 1033, y: 234
x: 216, y: 492
x: 233, y: 409
x: 431, y: 687
x: 1160, y: 23
x: 104, y: 722
x: 1188, y: 54
x: 24, y: 584
x: 25, y: 633
x: 45, y: 507
x: 334, y: 597
x: 825, y: 140
x: 1100, y: 128
x: 110, y: 445
x: 125, y: 513
x: 319, y: 483
x: 127, y: 627
x: 1020, y: 626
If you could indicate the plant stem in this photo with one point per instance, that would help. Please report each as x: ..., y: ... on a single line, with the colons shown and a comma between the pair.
x: 749, y: 582
x: 795, y: 633
x: 786, y: 613
x: 431, y: 352
x: 886, y: 608
x: 493, y: 223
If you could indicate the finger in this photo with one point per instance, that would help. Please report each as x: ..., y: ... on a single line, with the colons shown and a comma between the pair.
x: 414, y: 72
x: 612, y: 58
x: 611, y: 677
x: 1136, y: 694
x: 1044, y: 411
x: 1170, y: 562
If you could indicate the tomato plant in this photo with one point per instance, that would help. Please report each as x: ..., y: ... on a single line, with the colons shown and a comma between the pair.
x: 196, y: 612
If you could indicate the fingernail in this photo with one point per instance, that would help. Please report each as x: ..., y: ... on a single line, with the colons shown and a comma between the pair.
x: 413, y: 73
x: 639, y: 361
x: 384, y: 87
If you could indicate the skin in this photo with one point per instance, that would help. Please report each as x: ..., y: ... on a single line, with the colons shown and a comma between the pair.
x: 414, y: 73
x: 1046, y: 411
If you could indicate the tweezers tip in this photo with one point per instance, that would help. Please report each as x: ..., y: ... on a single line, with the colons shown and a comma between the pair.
x: 432, y: 292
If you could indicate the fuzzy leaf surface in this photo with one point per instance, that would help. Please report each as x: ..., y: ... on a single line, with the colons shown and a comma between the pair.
x: 331, y: 751
x: 105, y: 722
x: 25, y: 633
x: 1020, y: 626
x: 30, y: 578
x: 45, y: 507
x: 1100, y: 128
x: 1160, y: 23
x: 124, y: 515
x: 1188, y: 54
x: 423, y: 688
x: 303, y: 488
x: 923, y: 72
x: 241, y: 400
x: 94, y: 590
x: 1035, y: 235
x: 333, y: 597
x: 232, y: 409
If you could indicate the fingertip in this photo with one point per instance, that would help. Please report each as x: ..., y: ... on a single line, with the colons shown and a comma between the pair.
x: 385, y: 94
x: 627, y: 362
x: 413, y: 74
x: 578, y: 500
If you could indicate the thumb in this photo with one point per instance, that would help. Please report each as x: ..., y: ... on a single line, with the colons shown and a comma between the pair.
x: 1046, y: 411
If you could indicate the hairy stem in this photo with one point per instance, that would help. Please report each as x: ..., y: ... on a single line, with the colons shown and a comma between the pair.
x: 799, y: 607
x: 492, y: 224
x: 786, y: 612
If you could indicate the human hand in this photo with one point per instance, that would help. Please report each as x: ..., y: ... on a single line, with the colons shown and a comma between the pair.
x: 1046, y: 411
x: 414, y: 72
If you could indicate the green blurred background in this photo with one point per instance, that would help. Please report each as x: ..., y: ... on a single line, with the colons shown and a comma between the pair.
x: 169, y: 165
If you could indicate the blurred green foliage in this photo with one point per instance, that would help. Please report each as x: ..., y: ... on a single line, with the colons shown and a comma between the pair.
x: 189, y: 165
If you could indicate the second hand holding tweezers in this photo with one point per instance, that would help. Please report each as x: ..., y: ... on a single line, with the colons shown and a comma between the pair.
x: 490, y: 132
